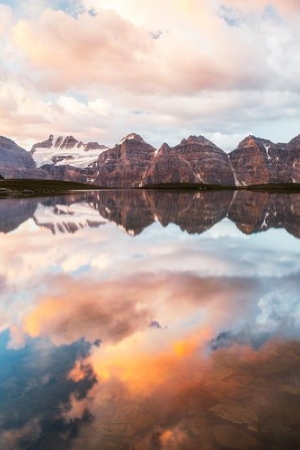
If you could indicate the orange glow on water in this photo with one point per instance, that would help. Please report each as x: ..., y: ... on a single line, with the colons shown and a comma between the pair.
x: 77, y: 373
x: 144, y: 369
x: 187, y: 346
x: 43, y: 313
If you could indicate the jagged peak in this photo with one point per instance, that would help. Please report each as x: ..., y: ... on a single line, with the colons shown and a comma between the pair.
x: 70, y: 141
x: 57, y: 143
x: 163, y: 147
x: 251, y: 140
x: 130, y: 137
x: 200, y: 140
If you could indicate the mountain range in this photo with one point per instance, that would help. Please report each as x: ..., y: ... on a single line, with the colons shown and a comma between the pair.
x: 133, y: 163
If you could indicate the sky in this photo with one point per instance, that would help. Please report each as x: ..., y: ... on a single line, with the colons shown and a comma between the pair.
x: 101, y: 69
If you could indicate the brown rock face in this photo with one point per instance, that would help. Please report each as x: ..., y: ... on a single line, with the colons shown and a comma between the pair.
x: 194, y: 161
x: 260, y: 161
x: 168, y: 168
x: 293, y: 158
x: 124, y: 165
x: 133, y: 163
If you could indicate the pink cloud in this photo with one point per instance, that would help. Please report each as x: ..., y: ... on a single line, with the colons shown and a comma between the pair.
x: 110, y: 50
x: 286, y: 8
x: 6, y: 16
x: 113, y: 311
x: 185, y: 66
x: 173, y: 402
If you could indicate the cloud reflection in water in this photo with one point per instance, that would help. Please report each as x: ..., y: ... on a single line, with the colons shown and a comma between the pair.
x: 219, y: 369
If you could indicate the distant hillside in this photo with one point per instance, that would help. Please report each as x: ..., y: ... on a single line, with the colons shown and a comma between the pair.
x: 15, y: 162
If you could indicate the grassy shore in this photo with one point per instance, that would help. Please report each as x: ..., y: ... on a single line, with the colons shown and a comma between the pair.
x: 33, y: 188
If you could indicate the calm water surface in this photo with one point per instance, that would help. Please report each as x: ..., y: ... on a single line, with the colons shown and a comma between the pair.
x: 150, y: 320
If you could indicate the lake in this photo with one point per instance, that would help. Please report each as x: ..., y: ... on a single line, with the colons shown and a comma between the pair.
x: 143, y: 320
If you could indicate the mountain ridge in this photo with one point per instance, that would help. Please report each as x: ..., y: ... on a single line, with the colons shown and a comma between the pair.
x: 133, y: 163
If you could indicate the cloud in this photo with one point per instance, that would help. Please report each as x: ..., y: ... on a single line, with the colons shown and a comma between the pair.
x: 241, y: 294
x: 286, y: 9
x: 13, y: 436
x: 190, y: 399
x: 6, y: 15
x: 113, y: 312
x: 105, y: 311
x: 245, y: 337
x: 109, y: 50
x: 223, y: 68
x: 71, y: 286
x: 91, y: 51
x: 39, y: 374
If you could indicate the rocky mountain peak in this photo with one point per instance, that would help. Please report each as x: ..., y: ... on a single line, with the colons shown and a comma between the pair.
x: 164, y: 147
x: 195, y: 161
x: 68, y: 142
x: 252, y: 141
x: 295, y: 142
x: 16, y: 162
x: 200, y: 140
x: 9, y: 143
x: 58, y: 142
x: 124, y: 165
x: 132, y: 162
x: 131, y: 137
x: 261, y: 161
x: 64, y: 157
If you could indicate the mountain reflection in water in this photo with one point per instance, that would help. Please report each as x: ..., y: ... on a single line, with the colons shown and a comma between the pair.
x: 168, y: 340
x: 194, y: 212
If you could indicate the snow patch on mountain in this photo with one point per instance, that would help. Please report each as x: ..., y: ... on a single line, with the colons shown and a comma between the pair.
x: 61, y: 151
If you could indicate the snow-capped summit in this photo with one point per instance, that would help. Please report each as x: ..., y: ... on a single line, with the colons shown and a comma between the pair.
x: 66, y: 150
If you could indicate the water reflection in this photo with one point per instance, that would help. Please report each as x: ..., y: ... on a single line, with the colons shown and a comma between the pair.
x: 169, y: 340
x: 35, y: 389
x: 195, y: 212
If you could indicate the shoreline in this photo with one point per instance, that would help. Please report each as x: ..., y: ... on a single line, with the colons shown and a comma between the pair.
x: 23, y: 188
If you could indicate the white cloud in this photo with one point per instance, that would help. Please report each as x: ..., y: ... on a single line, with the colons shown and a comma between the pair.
x: 5, y: 18
x: 221, y: 70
